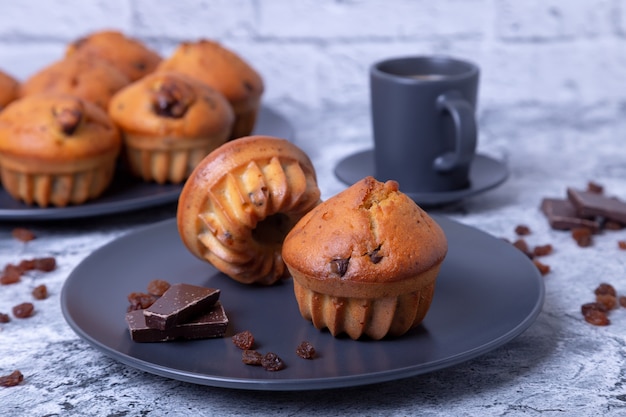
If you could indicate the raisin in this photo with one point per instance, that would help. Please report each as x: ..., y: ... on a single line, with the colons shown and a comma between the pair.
x: 157, y: 287
x: 594, y: 187
x: 251, y: 357
x: 585, y: 308
x: 622, y: 300
x: 139, y: 301
x: 522, y: 230
x: 608, y: 300
x: 597, y: 318
x: 11, y: 380
x: 22, y: 234
x: 11, y: 275
x: 244, y: 340
x: 613, y: 225
x: 45, y: 264
x: 543, y: 268
x: 605, y: 288
x: 542, y: 250
x: 26, y: 265
x: 339, y: 266
x: 272, y: 362
x: 621, y: 244
x: 582, y: 236
x: 23, y: 310
x: 40, y: 292
x: 305, y: 350
x: 4, y: 318
x: 523, y: 247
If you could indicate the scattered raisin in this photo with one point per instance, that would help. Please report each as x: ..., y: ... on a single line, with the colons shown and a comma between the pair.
x: 582, y: 236
x: 597, y: 318
x: 305, y: 350
x: 139, y: 301
x: 542, y: 250
x: 522, y: 245
x: 11, y: 380
x: 22, y: 234
x: 585, y: 308
x: 10, y: 275
x: 621, y: 244
x: 622, y: 300
x: 45, y: 264
x: 608, y: 300
x: 23, y: 310
x: 605, y: 288
x: 522, y: 230
x: 594, y: 187
x: 40, y: 292
x: 4, y: 318
x: 157, y: 287
x: 244, y: 340
x: 26, y: 265
x: 272, y: 362
x: 613, y: 225
x: 543, y: 268
x: 251, y: 357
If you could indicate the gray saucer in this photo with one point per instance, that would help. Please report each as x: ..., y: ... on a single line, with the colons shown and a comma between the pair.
x: 485, y: 173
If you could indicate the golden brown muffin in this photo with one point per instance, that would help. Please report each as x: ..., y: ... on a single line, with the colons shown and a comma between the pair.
x: 129, y: 55
x: 364, y: 262
x: 169, y: 123
x: 225, y: 71
x: 56, y: 150
x: 240, y: 202
x: 91, y: 79
x: 9, y: 88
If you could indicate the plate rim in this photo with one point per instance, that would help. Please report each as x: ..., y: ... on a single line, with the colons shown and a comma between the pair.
x: 297, y: 384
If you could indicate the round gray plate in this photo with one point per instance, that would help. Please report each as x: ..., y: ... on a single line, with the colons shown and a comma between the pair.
x: 127, y: 193
x: 485, y: 173
x: 487, y: 293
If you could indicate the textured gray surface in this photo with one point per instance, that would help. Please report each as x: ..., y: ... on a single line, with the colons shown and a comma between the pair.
x: 560, y: 366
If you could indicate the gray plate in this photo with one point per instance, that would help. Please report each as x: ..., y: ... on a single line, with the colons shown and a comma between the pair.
x: 487, y: 293
x: 485, y: 173
x: 127, y: 193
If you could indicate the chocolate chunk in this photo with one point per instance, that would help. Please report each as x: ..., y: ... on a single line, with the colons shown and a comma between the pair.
x: 339, y: 266
x: 594, y: 204
x: 208, y: 325
x: 178, y: 304
x: 562, y: 215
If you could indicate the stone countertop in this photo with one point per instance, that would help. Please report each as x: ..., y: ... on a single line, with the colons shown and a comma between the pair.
x: 560, y: 366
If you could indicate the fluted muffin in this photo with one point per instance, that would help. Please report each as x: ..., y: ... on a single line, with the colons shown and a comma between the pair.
x: 56, y: 150
x: 129, y: 55
x: 227, y: 72
x: 9, y: 87
x: 169, y: 123
x: 240, y: 202
x: 89, y: 78
x: 365, y: 261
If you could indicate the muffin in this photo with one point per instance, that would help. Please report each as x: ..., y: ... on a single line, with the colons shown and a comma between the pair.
x: 365, y: 261
x: 56, y: 150
x: 130, y: 56
x: 169, y: 123
x: 9, y: 87
x: 240, y: 202
x: 225, y: 71
x: 91, y: 79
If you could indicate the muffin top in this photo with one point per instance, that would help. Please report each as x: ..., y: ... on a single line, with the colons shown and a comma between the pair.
x: 218, y: 67
x: 9, y: 87
x: 171, y: 104
x: 92, y: 79
x: 369, y: 233
x: 56, y: 127
x: 129, y: 55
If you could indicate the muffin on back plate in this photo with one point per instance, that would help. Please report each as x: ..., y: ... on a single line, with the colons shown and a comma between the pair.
x: 91, y: 79
x: 169, y: 122
x: 239, y: 203
x: 364, y: 262
x: 225, y: 71
x: 56, y: 150
x: 131, y: 56
x: 9, y: 88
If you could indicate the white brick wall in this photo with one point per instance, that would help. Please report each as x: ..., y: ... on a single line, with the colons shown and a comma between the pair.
x: 544, y: 62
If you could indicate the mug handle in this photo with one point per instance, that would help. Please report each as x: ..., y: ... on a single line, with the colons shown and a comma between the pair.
x: 462, y: 114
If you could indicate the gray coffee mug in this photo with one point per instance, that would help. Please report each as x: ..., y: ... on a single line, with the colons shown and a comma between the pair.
x: 423, y: 119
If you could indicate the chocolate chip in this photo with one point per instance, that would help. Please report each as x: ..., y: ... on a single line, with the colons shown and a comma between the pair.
x: 68, y: 119
x: 169, y: 101
x: 375, y: 256
x: 339, y: 266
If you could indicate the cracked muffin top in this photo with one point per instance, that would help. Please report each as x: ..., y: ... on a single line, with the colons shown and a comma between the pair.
x: 369, y: 233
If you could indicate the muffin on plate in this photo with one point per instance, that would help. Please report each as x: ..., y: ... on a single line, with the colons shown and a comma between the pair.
x: 9, y: 88
x: 365, y: 261
x: 91, y: 79
x: 227, y: 72
x: 169, y: 123
x: 129, y: 55
x: 56, y: 150
x: 240, y: 202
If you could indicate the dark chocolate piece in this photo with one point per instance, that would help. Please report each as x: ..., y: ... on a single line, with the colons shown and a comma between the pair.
x: 209, y: 325
x: 179, y: 304
x: 594, y: 204
x: 562, y: 215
